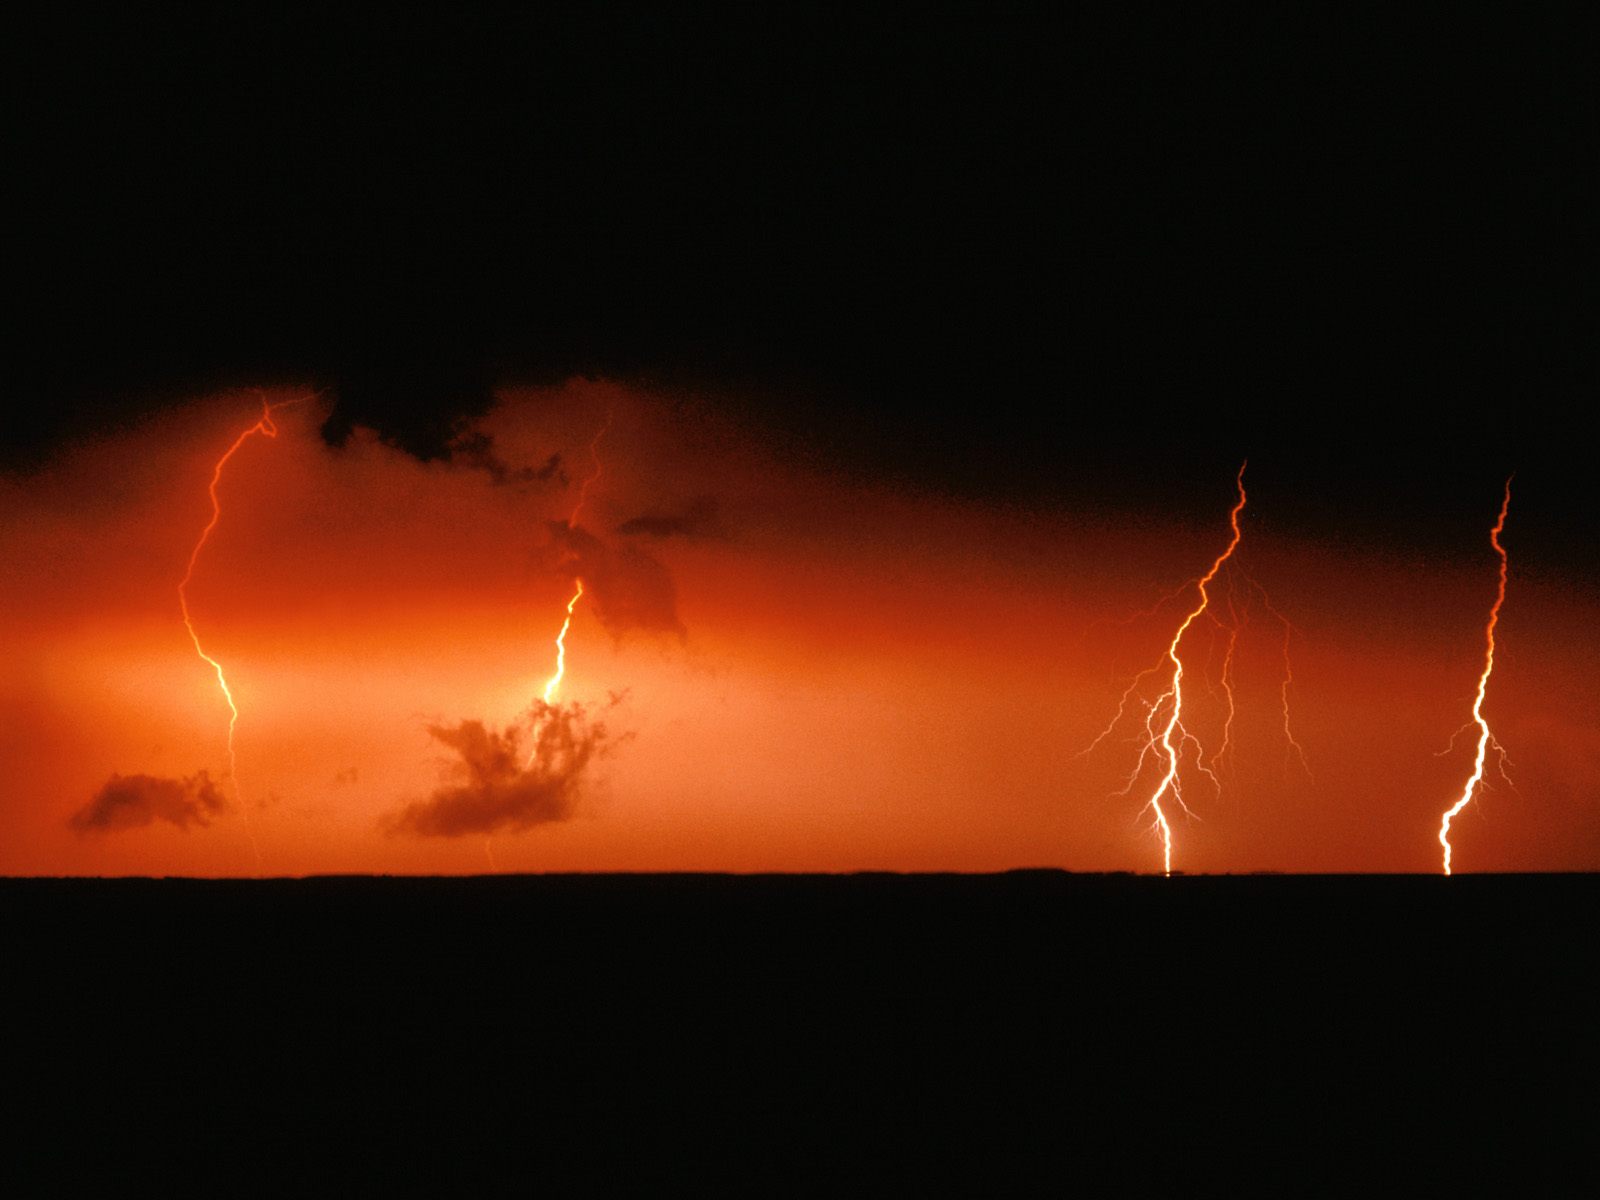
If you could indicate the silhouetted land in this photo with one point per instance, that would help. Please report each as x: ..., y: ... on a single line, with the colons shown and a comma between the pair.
x: 514, y: 1029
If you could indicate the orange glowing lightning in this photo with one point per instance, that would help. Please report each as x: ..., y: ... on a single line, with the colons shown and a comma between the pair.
x: 1169, y: 781
x: 1486, y: 739
x: 553, y: 684
x: 554, y: 681
x: 266, y: 427
x: 1165, y: 735
x: 594, y: 475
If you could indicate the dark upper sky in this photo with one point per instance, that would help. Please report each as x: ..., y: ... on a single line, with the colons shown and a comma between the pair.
x: 1093, y: 259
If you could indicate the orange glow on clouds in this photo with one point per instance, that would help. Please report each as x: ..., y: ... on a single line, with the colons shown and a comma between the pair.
x: 793, y: 670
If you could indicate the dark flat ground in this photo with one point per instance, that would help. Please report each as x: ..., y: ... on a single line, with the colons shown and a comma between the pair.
x: 1200, y: 1032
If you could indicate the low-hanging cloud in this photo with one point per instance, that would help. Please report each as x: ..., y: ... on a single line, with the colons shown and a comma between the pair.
x: 133, y: 801
x: 526, y: 775
x: 630, y: 590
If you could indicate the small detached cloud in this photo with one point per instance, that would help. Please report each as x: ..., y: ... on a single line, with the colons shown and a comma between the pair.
x: 133, y: 801
x: 527, y: 775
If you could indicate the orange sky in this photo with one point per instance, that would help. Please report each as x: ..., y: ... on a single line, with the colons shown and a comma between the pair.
x: 815, y: 673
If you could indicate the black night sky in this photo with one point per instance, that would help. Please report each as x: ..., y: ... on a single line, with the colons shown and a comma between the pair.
x: 1093, y: 259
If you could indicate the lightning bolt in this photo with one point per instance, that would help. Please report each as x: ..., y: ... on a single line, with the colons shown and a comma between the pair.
x: 1164, y: 737
x: 267, y: 428
x: 1486, y: 739
x: 1173, y: 696
x: 553, y: 685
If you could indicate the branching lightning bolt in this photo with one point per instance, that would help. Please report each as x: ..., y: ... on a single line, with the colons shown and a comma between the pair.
x: 553, y: 685
x: 1173, y: 696
x: 1164, y: 737
x: 1486, y: 739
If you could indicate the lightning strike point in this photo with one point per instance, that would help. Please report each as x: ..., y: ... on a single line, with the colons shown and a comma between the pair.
x: 1486, y: 738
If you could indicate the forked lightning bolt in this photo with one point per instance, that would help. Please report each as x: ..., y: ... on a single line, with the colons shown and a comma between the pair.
x: 1173, y: 696
x: 1486, y: 739
x: 1164, y: 735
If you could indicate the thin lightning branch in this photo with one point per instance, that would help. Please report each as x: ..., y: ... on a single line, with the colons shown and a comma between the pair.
x: 265, y: 427
x: 1225, y: 749
x: 1122, y: 711
x: 1486, y: 739
x: 1502, y: 760
x: 595, y: 473
x: 1291, y: 746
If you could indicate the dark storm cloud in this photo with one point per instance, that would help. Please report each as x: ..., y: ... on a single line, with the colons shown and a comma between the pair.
x: 429, y: 412
x: 476, y: 450
x: 416, y: 401
x: 630, y: 591
x: 493, y: 786
x: 132, y: 801
x: 730, y: 213
x: 699, y: 519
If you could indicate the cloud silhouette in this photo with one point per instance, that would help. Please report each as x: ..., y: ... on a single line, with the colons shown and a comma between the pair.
x: 496, y: 785
x: 476, y: 450
x: 133, y: 801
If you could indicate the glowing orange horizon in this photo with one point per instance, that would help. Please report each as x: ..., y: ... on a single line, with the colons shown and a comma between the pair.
x: 1485, y: 737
